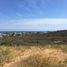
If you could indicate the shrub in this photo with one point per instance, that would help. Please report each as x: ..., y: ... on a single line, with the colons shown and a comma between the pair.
x: 5, y: 42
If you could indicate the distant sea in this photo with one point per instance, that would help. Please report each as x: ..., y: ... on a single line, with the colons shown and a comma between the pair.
x: 21, y: 31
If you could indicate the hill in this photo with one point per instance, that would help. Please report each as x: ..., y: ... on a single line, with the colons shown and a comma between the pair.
x: 25, y: 38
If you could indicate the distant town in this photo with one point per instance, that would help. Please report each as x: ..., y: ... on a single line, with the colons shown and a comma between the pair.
x: 54, y: 37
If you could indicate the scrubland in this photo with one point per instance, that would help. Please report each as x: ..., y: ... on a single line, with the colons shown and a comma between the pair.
x: 34, y: 56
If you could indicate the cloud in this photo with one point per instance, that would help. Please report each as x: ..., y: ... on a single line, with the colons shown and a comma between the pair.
x: 33, y: 25
x: 34, y: 22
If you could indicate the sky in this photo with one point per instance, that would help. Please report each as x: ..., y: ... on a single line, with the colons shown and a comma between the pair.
x: 33, y: 15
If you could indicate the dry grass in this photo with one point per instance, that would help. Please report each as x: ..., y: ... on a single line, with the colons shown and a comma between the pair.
x: 8, y: 54
x: 39, y: 56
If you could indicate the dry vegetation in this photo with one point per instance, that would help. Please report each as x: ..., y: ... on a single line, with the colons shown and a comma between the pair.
x: 33, y: 56
x: 32, y: 49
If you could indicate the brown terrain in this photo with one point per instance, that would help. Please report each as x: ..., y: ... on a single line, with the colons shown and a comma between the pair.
x: 51, y: 55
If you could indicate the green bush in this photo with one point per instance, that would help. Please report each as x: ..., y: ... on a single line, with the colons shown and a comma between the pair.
x: 5, y: 42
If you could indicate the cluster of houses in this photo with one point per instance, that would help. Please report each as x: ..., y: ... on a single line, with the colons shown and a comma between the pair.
x: 56, y: 41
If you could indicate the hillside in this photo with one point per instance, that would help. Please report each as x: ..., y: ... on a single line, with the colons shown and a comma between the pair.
x: 39, y: 56
x: 33, y: 49
x: 25, y: 38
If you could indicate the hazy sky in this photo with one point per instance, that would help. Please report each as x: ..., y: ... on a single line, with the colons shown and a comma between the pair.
x: 33, y: 15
